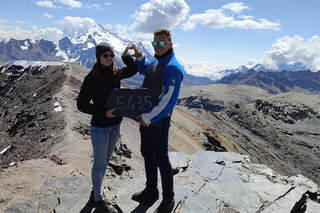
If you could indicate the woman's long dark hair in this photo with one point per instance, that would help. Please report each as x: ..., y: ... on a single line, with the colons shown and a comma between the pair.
x: 97, y: 68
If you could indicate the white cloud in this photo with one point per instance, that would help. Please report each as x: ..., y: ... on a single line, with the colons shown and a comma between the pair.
x: 255, y: 25
x: 160, y: 14
x: 45, y: 4
x: 294, y: 49
x: 250, y: 63
x: 75, y: 26
x: 145, y: 39
x: 235, y: 7
x: 48, y: 16
x: 22, y: 22
x: 51, y: 34
x: 121, y: 30
x: 16, y: 33
x: 96, y: 6
x: 5, y: 27
x: 3, y: 21
x: 219, y: 18
x: 71, y: 3
x: 246, y: 17
x: 207, y: 69
x: 211, y: 18
x: 108, y: 3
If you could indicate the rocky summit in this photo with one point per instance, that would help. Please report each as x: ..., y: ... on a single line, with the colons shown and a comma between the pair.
x: 233, y: 148
x: 204, y: 182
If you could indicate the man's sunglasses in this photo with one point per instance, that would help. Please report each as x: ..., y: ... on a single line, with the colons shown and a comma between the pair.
x: 106, y: 55
x: 161, y: 43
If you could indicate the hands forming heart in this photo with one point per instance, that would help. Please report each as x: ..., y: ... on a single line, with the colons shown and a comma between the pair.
x: 133, y: 47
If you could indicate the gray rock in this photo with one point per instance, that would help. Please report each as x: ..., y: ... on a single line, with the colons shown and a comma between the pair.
x: 209, y: 182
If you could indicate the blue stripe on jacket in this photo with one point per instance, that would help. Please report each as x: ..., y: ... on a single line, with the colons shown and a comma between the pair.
x: 171, y: 82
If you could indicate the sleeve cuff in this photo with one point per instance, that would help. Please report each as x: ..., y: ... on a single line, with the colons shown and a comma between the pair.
x: 140, y: 58
x: 148, y: 122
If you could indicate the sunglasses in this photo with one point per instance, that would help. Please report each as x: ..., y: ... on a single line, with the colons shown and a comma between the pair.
x: 106, y: 55
x: 161, y: 43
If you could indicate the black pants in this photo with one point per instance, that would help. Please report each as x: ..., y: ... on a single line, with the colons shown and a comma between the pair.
x: 154, y: 149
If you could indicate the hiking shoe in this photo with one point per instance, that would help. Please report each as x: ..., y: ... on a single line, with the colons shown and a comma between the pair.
x: 105, y: 207
x: 92, y: 195
x: 166, y: 206
x: 146, y: 195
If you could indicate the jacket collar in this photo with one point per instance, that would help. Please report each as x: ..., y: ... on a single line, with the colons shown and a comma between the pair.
x: 164, y: 55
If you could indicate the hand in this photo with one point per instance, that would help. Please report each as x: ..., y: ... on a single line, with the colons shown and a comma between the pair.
x: 141, y: 122
x: 125, y: 52
x: 133, y: 47
x: 110, y: 113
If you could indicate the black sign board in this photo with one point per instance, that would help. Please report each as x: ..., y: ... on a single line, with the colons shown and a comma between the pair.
x: 131, y: 102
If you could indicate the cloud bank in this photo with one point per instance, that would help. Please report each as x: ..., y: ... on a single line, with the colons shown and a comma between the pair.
x: 172, y: 14
x: 71, y: 3
x: 75, y: 26
x: 286, y: 49
x: 48, y: 4
x: 51, y: 34
x: 221, y: 18
x: 160, y: 14
x: 169, y: 14
x: 207, y: 69
x: 294, y: 49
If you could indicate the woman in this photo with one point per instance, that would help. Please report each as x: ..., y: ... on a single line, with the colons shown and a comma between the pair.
x: 105, y: 127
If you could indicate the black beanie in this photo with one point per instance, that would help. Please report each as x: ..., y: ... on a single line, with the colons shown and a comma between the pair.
x: 102, y: 48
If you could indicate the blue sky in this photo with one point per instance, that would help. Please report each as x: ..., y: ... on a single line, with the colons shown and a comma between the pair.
x: 208, y: 35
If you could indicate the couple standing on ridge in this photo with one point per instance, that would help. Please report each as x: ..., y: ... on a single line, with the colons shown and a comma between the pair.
x: 164, y: 75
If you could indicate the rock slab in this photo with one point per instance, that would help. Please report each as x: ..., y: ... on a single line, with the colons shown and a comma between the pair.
x: 205, y: 182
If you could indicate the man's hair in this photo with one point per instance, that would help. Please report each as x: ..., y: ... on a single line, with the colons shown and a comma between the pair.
x: 162, y: 31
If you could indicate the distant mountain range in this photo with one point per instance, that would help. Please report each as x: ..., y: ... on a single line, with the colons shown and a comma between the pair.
x: 276, y: 82
x: 39, y: 50
x: 81, y: 50
x: 297, y: 66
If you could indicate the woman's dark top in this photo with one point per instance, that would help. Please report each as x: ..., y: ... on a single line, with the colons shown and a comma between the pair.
x: 94, y: 92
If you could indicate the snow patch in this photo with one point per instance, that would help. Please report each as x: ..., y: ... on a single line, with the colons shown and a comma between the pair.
x: 57, y: 107
x: 26, y: 64
x: 4, y: 150
x: 26, y: 45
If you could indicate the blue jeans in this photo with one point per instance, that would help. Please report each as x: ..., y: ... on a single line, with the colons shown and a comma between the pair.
x: 154, y: 149
x: 103, y: 142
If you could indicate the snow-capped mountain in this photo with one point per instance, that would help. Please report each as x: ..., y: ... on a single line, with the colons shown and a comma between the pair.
x: 27, y: 49
x: 82, y: 49
x: 239, y: 69
x: 297, y: 66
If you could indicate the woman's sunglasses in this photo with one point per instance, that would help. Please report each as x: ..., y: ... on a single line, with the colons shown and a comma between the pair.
x: 161, y: 43
x: 106, y: 55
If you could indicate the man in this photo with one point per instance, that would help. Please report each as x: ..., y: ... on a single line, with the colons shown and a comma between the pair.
x: 164, y: 76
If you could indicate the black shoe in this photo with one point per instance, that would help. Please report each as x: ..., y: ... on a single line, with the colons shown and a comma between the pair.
x: 146, y: 195
x: 105, y: 207
x: 166, y: 206
x: 91, y: 195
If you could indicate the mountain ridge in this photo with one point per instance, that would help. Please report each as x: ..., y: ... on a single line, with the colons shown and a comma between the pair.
x: 80, y: 50
x: 277, y: 82
x: 49, y: 150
